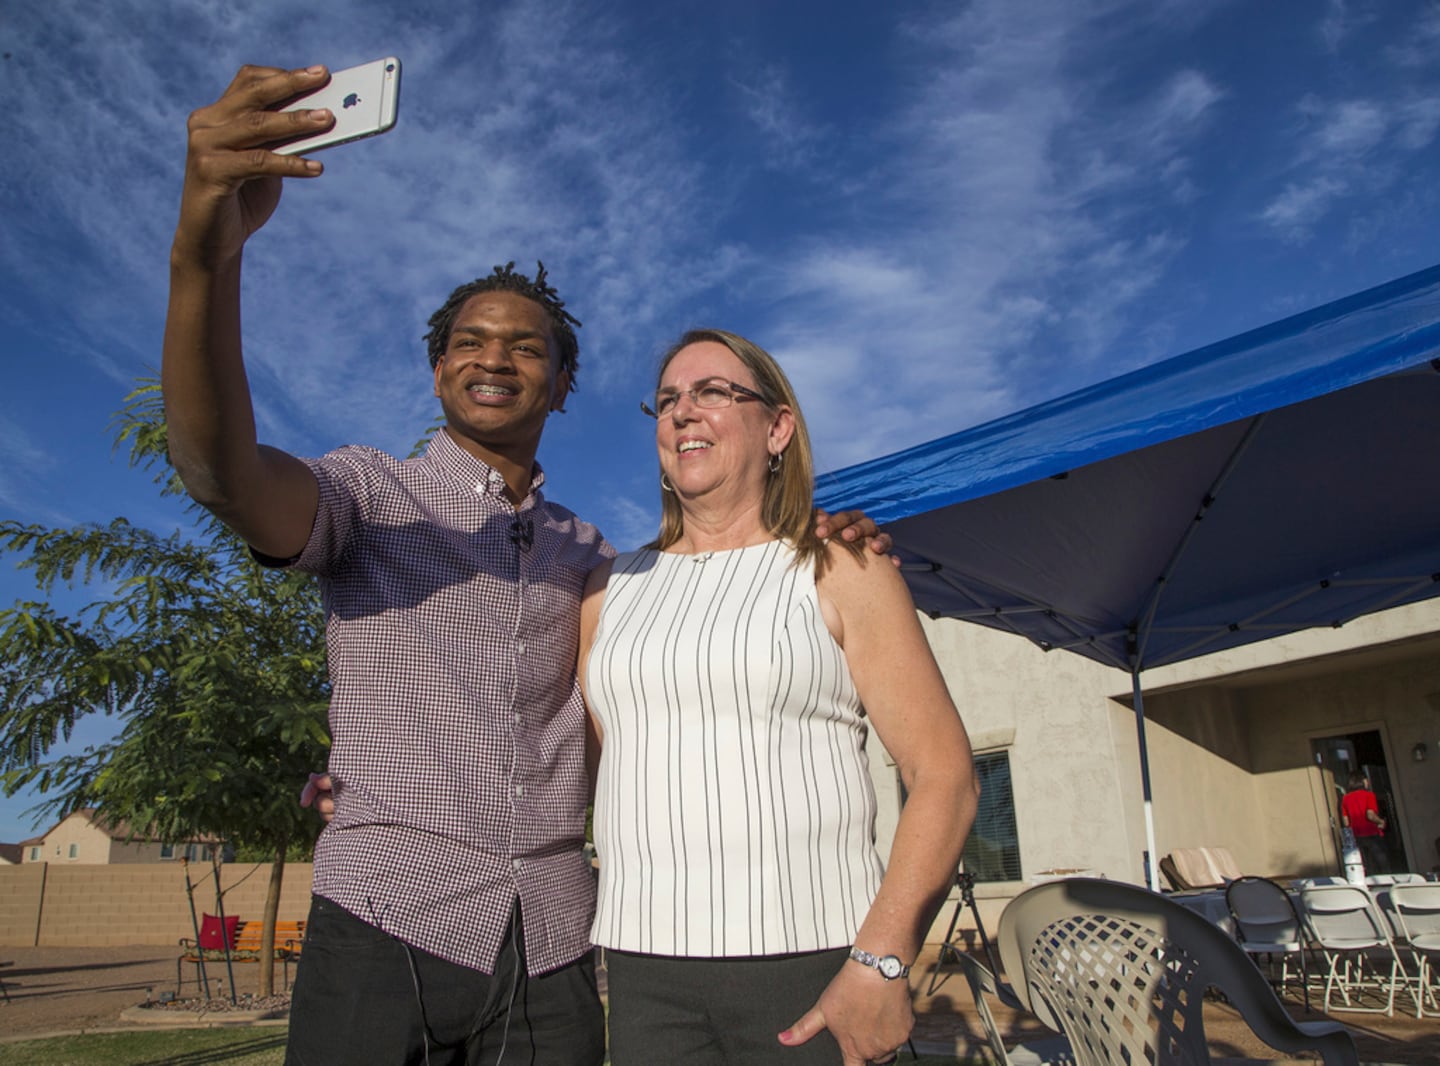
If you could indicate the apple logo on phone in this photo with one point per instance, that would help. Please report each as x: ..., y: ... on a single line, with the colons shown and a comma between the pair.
x: 351, y: 100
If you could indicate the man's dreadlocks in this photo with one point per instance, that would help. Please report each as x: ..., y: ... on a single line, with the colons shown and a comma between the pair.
x: 507, y: 279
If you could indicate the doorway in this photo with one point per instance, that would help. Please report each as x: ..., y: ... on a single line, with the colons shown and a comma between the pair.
x: 1363, y: 752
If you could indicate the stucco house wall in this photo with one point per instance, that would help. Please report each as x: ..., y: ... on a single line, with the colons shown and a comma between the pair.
x: 1073, y: 762
x: 76, y: 840
x: 81, y: 839
x: 1228, y: 738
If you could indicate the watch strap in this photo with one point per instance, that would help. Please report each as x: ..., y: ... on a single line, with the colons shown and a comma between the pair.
x: 887, y: 966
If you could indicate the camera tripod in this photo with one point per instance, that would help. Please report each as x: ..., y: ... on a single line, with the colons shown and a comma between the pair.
x: 966, y: 883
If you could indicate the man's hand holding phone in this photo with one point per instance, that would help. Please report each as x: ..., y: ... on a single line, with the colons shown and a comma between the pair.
x: 243, y: 144
x: 232, y: 180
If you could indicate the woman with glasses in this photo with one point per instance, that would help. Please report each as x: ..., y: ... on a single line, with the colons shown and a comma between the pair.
x: 733, y: 668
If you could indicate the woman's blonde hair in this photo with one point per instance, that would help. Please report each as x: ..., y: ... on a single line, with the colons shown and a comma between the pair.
x: 788, y: 509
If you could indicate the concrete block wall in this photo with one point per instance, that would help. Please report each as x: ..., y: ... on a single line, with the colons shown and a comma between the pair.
x: 45, y: 905
x: 21, y: 890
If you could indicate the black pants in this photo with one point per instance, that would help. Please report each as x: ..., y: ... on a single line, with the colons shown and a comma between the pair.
x: 1373, y: 854
x: 709, y: 1012
x: 362, y: 996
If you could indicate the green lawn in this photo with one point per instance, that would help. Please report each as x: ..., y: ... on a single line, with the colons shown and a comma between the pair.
x: 264, y: 1046
x: 190, y: 1047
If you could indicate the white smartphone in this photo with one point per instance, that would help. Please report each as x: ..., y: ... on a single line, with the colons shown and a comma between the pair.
x: 364, y: 100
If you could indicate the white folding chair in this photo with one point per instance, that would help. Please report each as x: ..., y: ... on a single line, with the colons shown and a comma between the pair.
x: 1354, y: 939
x: 1378, y: 880
x: 1266, y: 924
x: 1307, y: 882
x: 1416, y: 907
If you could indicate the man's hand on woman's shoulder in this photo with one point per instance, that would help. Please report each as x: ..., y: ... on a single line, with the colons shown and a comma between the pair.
x: 852, y: 526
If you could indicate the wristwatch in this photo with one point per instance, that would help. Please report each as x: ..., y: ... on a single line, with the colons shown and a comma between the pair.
x: 888, y: 966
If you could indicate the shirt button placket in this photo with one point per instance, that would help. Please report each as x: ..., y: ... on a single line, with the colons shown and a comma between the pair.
x: 523, y: 564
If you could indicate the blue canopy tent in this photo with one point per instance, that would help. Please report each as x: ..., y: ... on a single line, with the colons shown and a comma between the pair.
x: 1284, y: 479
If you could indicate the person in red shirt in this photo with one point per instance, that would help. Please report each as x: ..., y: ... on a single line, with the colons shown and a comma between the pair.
x: 1359, y: 811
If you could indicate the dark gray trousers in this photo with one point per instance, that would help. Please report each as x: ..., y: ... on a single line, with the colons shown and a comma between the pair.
x: 716, y: 1012
x: 362, y: 996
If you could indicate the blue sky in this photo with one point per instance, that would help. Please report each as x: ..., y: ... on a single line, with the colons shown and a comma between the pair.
x: 932, y: 213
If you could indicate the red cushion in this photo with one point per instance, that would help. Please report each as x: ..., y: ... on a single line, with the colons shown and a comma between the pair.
x: 210, y: 932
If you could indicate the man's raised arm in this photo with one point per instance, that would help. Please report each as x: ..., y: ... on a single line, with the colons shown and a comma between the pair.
x: 232, y: 185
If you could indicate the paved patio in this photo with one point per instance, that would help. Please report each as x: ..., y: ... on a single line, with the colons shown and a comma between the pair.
x: 54, y: 990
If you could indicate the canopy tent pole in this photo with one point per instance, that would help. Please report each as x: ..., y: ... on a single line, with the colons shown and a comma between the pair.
x: 1152, y: 868
x: 1140, y: 634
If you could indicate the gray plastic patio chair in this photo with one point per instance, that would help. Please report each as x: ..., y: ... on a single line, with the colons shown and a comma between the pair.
x: 1416, y: 908
x: 1344, y: 923
x: 1123, y: 972
x: 1266, y: 924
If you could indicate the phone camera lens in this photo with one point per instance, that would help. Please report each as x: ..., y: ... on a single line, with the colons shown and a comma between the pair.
x: 389, y: 68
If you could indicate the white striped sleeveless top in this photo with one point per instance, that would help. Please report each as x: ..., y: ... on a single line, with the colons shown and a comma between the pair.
x: 734, y: 813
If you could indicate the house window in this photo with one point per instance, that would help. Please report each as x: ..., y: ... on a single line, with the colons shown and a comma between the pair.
x: 74, y: 850
x: 993, y: 851
x: 167, y: 851
x: 35, y: 854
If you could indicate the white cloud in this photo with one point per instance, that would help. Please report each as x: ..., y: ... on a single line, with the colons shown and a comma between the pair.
x: 1348, y: 151
x: 1417, y: 122
x: 629, y: 522
x: 23, y: 463
x: 1300, y: 206
x: 1343, y: 19
x: 1349, y: 128
x: 1001, y: 194
x: 1415, y: 48
x: 768, y: 100
x: 1185, y: 100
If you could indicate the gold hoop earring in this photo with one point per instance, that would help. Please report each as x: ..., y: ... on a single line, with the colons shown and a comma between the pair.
x: 665, y: 485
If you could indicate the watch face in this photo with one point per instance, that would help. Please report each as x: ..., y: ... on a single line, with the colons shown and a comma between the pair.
x: 890, y: 967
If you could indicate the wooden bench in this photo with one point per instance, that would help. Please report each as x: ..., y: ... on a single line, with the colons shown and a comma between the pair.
x: 289, y: 940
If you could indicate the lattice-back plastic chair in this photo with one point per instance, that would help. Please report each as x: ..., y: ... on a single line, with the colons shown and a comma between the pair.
x: 1416, y: 908
x: 1123, y: 972
x: 1267, y: 924
x: 1344, y: 923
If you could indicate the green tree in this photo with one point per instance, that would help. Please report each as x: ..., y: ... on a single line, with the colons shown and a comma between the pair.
x: 213, y: 666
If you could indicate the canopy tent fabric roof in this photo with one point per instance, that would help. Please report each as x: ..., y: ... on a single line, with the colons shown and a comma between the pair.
x: 1283, y: 479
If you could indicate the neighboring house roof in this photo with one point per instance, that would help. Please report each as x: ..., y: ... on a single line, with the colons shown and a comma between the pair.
x: 12, y: 853
x: 119, y: 829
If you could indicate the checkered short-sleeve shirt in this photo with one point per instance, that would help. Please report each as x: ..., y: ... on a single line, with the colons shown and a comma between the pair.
x: 457, y: 726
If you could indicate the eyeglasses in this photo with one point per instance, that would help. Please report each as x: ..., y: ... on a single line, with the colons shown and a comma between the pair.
x: 711, y: 394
